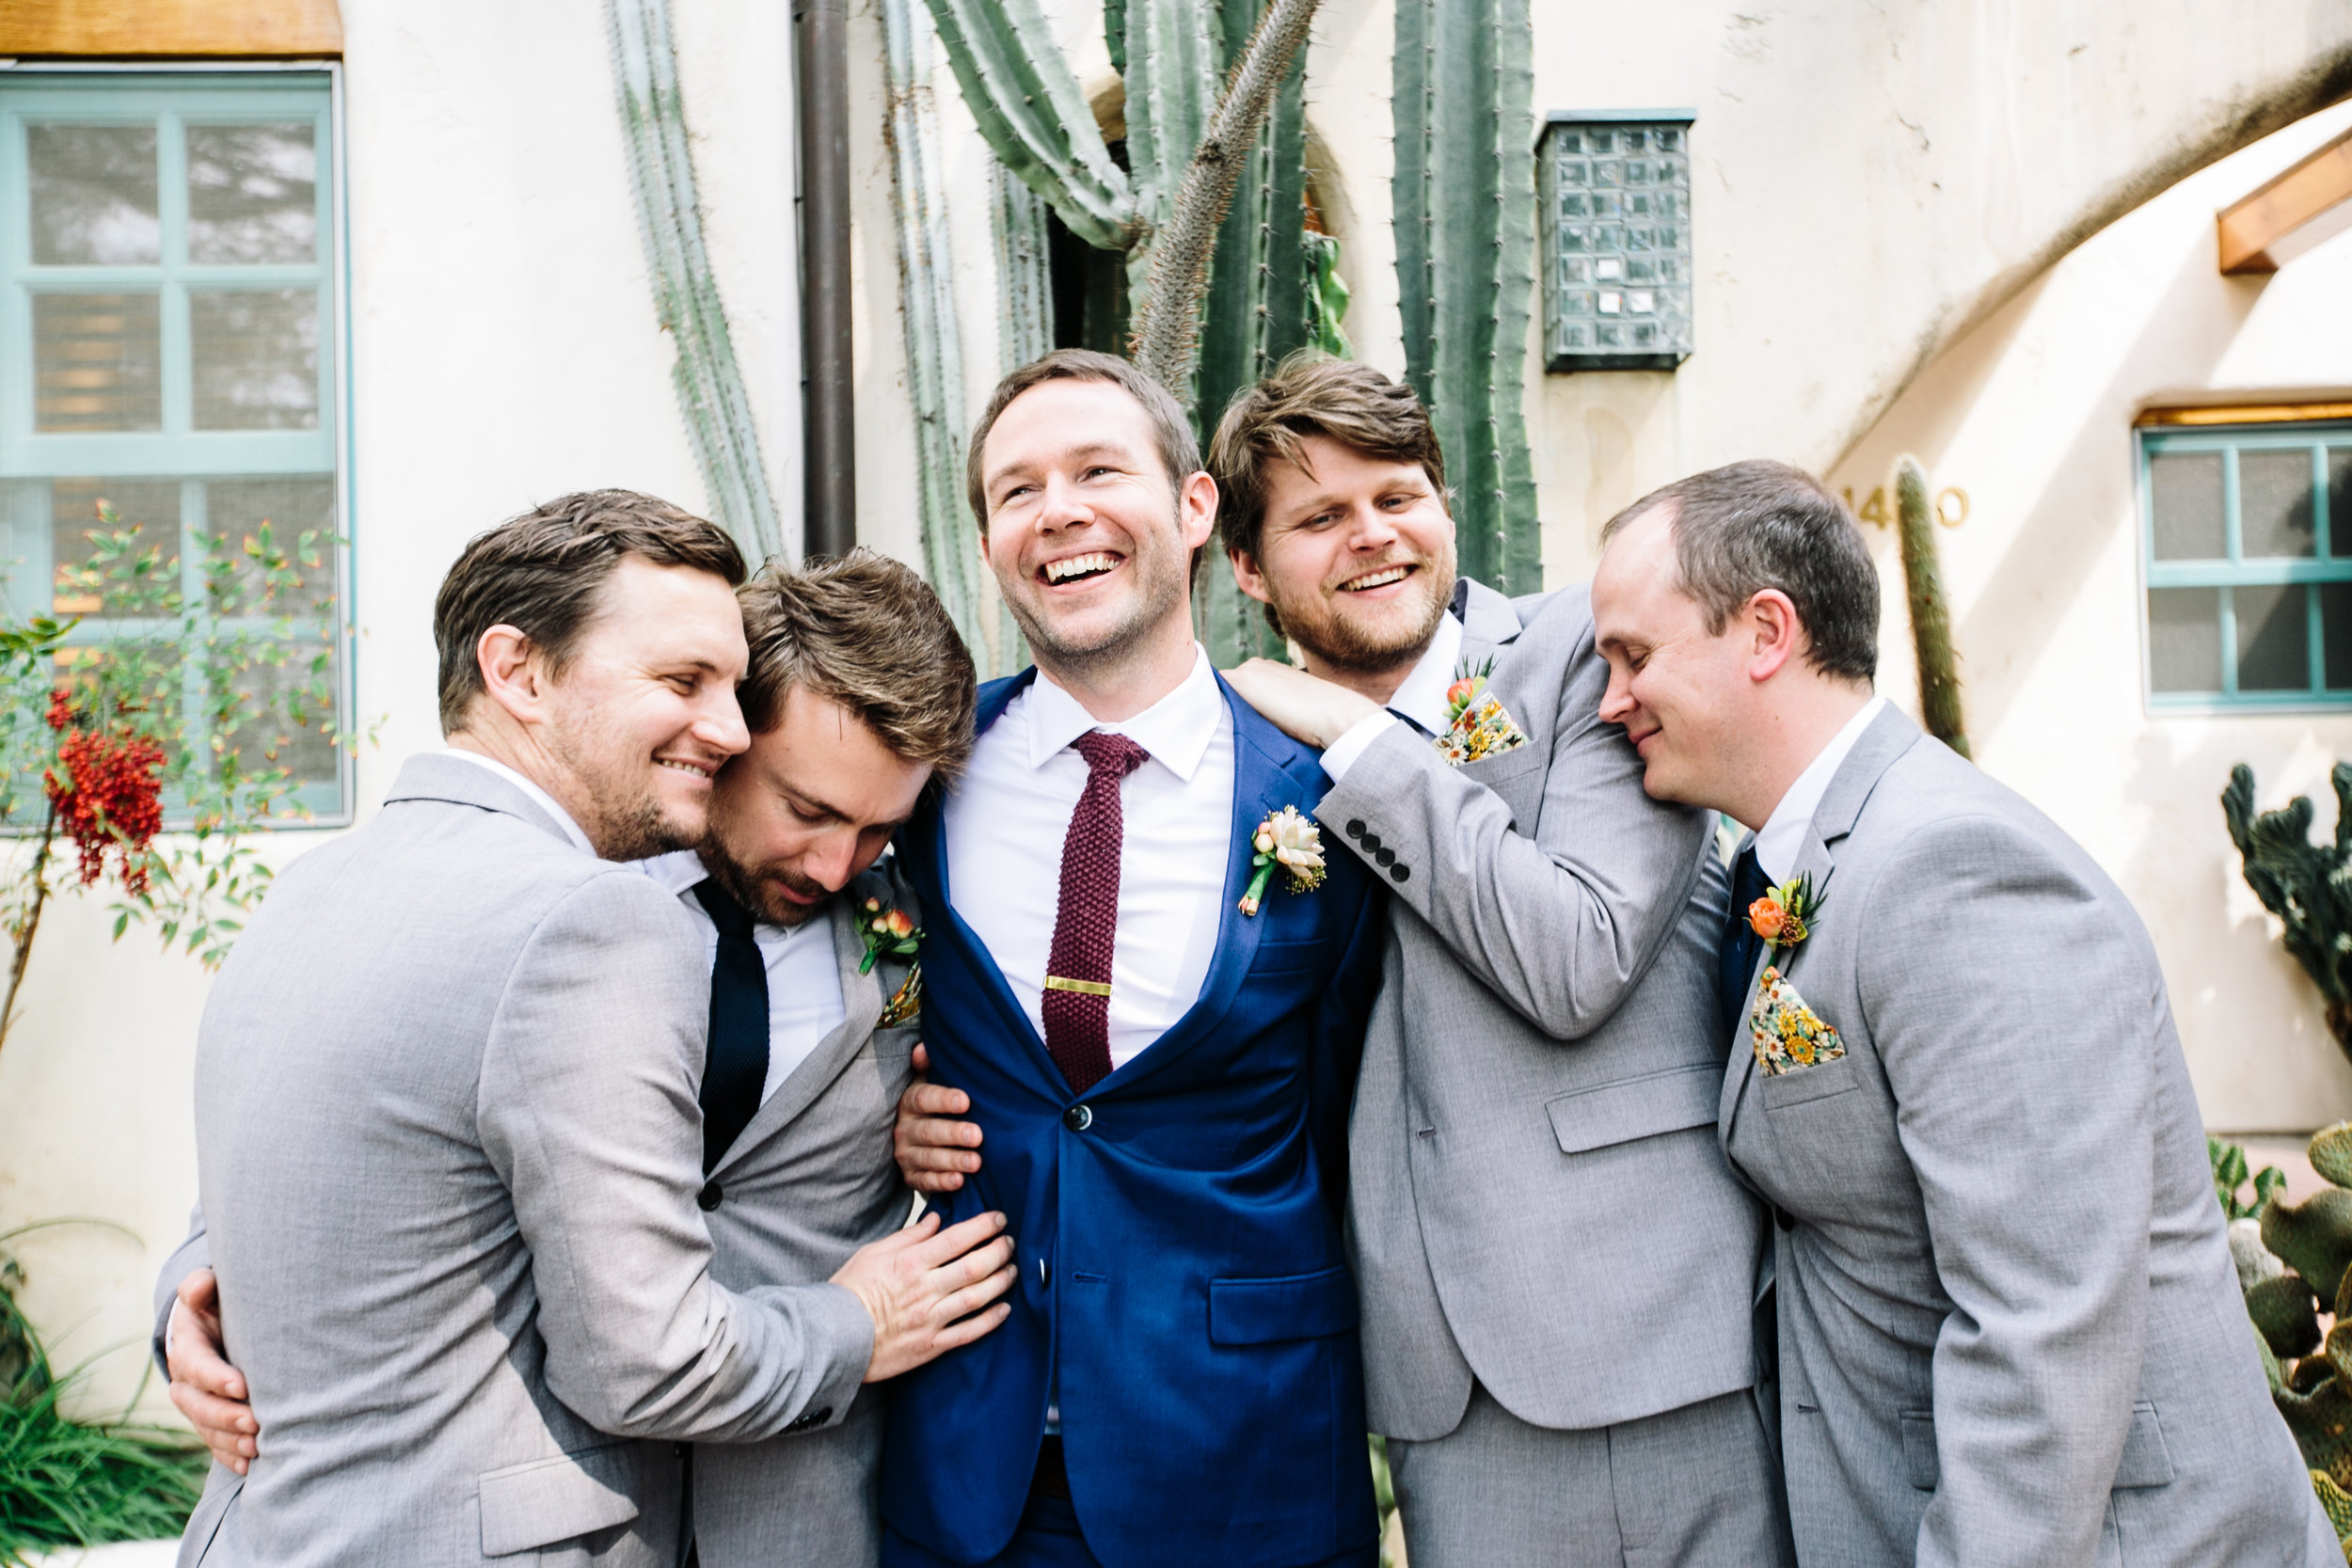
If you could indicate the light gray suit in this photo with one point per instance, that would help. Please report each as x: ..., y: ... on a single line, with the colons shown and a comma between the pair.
x: 2010, y: 1330
x: 447, y: 1152
x: 1537, y: 1202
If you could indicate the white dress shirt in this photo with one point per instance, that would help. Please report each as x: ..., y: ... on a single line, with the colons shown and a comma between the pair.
x: 1421, y: 698
x: 1780, y: 840
x: 539, y: 798
x: 1008, y: 816
x: 803, y: 976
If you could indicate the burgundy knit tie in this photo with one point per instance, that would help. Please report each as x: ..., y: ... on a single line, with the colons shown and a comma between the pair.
x: 1078, y: 969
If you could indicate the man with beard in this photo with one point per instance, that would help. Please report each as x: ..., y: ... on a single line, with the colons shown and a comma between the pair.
x: 1155, y: 1037
x: 1557, y: 1265
x: 448, y: 1138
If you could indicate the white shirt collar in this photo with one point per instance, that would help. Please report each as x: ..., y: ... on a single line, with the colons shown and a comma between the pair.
x: 1780, y: 840
x: 1420, y: 697
x: 539, y: 798
x: 679, y: 871
x: 1176, y: 730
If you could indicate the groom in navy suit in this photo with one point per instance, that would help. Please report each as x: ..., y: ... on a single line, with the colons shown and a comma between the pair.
x: 1161, y: 1075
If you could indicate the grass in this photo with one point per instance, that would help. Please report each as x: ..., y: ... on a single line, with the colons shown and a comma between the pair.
x: 65, y: 1482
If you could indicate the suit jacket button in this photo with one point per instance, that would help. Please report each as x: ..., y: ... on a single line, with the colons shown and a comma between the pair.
x: 1384, y: 857
x: 708, y: 1197
x: 1078, y: 1118
x: 1372, y: 843
x: 1400, y: 872
x: 1355, y: 827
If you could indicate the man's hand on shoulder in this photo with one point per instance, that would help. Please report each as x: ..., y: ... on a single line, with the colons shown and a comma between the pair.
x: 934, y: 1149
x: 1306, y: 707
x: 208, y: 1390
x: 930, y: 1289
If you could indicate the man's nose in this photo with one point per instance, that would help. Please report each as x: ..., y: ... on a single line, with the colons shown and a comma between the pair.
x: 719, y: 721
x: 833, y: 860
x: 1369, y: 529
x: 1062, y: 506
x: 1616, y: 703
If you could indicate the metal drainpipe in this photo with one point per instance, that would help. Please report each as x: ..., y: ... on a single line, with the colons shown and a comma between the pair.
x: 822, y: 50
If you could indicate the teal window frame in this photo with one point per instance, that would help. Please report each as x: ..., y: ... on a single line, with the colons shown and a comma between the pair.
x: 173, y: 99
x: 2330, y: 561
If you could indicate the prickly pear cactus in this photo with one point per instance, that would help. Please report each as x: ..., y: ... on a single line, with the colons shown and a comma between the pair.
x: 2308, y: 887
x: 2313, y: 1238
x: 2285, y: 1310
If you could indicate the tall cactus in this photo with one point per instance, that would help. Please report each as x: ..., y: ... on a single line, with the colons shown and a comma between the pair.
x: 1930, y: 618
x: 1464, y: 202
x: 2307, y: 885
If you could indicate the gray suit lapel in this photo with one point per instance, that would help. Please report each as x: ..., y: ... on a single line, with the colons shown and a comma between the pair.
x: 862, y: 1003
x: 436, y: 776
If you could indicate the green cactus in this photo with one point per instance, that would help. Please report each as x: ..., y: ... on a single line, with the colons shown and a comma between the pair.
x: 2335, y: 1500
x: 1464, y: 200
x: 2288, y: 1315
x: 2331, y: 1154
x: 2307, y: 885
x: 1930, y: 620
x: 2314, y: 1237
x: 2321, y: 1423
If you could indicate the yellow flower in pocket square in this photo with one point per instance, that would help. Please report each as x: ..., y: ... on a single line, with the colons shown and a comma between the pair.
x: 1477, y: 725
x: 906, y: 1002
x: 1788, y: 1035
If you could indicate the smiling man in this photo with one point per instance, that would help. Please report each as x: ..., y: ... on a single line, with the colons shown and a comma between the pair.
x: 448, y: 1139
x: 1565, y: 1380
x: 1160, y: 1077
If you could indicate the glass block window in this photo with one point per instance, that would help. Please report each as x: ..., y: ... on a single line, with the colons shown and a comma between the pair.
x: 2246, y: 534
x: 1614, y: 227
x: 168, y: 365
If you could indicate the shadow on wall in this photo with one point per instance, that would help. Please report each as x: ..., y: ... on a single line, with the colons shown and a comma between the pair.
x: 2050, y: 558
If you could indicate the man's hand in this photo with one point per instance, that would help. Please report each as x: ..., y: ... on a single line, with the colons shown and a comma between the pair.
x: 928, y: 1290
x: 1303, y: 707
x: 935, y: 1151
x: 208, y: 1391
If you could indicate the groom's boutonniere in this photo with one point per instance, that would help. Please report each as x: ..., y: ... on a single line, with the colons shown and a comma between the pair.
x: 1784, y: 916
x: 1476, y: 725
x: 1292, y: 842
x: 889, y: 929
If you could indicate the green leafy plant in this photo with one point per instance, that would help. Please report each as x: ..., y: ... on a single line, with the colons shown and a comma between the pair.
x: 2231, y: 1176
x: 2307, y: 885
x: 65, y: 1482
x: 154, y: 751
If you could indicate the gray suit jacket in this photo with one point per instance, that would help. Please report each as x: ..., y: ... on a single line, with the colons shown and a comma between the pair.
x: 447, y: 1152
x: 1536, y: 1198
x: 2010, y: 1330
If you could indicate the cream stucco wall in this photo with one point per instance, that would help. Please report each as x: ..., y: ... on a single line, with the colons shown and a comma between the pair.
x: 503, y: 351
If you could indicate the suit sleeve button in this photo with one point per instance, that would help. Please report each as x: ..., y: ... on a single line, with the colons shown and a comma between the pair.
x: 1078, y: 1118
x: 1355, y: 827
x: 1385, y: 856
x: 1400, y: 872
x: 708, y: 1197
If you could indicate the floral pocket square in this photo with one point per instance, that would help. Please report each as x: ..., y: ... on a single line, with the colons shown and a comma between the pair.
x: 906, y: 1002
x: 1788, y: 1035
x: 1477, y: 726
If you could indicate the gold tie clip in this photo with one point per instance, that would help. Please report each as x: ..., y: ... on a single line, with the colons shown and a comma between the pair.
x: 1085, y: 987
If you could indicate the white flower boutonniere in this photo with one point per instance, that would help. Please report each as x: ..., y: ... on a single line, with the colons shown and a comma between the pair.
x: 1294, y: 843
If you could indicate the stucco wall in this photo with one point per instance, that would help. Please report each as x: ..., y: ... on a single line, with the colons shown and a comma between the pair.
x: 503, y: 351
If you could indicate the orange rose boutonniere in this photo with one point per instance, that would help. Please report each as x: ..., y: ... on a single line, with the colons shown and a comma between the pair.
x: 1783, y: 917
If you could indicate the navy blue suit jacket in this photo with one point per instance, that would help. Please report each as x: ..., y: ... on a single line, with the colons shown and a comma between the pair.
x: 1178, y: 1226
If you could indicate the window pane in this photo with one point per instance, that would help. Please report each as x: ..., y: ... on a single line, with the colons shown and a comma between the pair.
x: 2274, y: 503
x: 143, y: 578
x: 238, y: 511
x: 2184, y: 639
x: 256, y: 358
x: 97, y: 362
x: 287, y: 712
x: 2273, y: 639
x: 2335, y: 620
x: 252, y: 192
x: 2340, y: 501
x: 93, y: 194
x: 2184, y: 488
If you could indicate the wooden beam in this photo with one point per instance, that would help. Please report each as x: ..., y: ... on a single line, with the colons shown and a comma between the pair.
x: 227, y: 29
x: 2309, y: 202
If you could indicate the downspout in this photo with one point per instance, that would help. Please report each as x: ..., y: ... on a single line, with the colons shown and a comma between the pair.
x: 821, y: 57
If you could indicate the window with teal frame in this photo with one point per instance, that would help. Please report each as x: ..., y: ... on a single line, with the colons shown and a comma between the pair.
x: 169, y: 363
x: 2247, y: 532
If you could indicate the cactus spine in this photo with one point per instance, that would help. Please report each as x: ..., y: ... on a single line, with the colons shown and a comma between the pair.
x: 2307, y: 885
x: 1465, y: 222
x: 1931, y: 619
x: 709, y: 387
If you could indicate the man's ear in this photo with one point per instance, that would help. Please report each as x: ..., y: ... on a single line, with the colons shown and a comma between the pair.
x: 1246, y: 575
x: 1779, y: 634
x: 514, y: 676
x: 1195, y: 509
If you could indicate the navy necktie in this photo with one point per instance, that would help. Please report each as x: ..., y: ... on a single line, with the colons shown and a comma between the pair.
x: 736, y: 1070
x: 1735, y: 956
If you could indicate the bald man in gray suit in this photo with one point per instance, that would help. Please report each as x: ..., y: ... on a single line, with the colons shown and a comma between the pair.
x: 2010, y: 1333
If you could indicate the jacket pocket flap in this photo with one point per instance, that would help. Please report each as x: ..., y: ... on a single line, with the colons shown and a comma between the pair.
x: 1636, y: 1108
x: 1259, y: 1312
x: 1782, y: 1090
x: 545, y: 1500
x: 2147, y: 1458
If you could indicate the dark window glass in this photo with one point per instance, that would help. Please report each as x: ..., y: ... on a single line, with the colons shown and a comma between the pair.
x: 2335, y: 622
x: 2273, y: 637
x: 2184, y: 639
x: 2274, y: 504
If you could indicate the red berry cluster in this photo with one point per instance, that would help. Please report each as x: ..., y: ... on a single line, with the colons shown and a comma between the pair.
x: 110, y: 797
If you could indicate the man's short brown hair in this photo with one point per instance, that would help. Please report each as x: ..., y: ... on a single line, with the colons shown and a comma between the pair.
x: 1311, y: 394
x: 866, y: 633
x: 541, y: 573
x: 1179, y: 448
